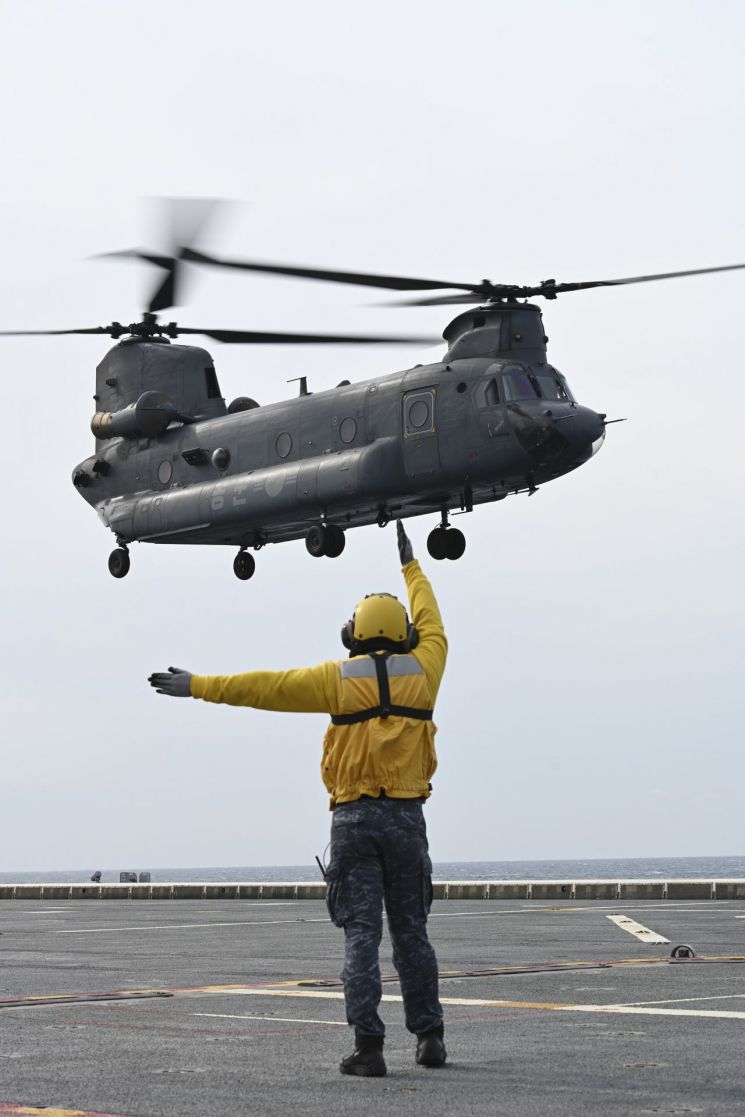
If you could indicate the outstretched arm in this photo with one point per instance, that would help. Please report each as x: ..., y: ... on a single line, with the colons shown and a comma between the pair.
x: 306, y: 690
x: 432, y: 648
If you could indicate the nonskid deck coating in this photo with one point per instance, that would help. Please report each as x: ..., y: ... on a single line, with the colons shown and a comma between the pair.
x: 203, y: 1008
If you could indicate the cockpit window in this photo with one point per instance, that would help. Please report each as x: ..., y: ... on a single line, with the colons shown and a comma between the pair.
x: 552, y: 388
x: 518, y: 385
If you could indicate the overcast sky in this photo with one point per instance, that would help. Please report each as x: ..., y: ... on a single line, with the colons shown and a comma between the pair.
x: 593, y: 701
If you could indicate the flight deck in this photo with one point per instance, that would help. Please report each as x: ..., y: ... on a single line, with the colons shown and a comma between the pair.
x: 205, y: 1007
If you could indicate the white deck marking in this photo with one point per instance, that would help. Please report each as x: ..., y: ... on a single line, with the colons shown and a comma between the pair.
x: 637, y: 929
x: 184, y: 926
x: 272, y: 1019
x: 46, y: 911
x: 467, y: 1002
x: 682, y: 1000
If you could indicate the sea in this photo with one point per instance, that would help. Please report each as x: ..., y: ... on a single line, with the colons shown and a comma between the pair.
x: 646, y: 868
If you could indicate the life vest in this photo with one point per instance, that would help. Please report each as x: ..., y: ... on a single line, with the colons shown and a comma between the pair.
x: 383, y: 668
x: 382, y: 737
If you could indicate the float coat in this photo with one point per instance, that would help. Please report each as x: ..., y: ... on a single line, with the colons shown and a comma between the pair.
x: 394, y: 754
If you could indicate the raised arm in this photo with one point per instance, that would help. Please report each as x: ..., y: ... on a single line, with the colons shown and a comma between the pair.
x: 432, y: 648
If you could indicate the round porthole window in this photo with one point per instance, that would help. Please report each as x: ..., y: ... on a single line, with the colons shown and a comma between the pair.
x: 419, y: 414
x: 165, y: 472
x: 348, y: 430
x: 284, y: 444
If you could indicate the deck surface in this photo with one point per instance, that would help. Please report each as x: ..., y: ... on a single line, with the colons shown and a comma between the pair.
x: 146, y: 1008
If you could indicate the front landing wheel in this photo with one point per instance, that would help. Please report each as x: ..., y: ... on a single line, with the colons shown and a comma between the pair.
x: 455, y: 544
x: 244, y: 566
x: 335, y: 541
x: 119, y: 562
x: 437, y: 543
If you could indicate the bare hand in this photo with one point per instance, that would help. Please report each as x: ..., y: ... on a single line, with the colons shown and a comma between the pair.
x: 176, y: 682
x: 405, y: 549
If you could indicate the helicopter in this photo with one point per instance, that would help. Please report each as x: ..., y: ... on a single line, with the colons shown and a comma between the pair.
x: 175, y: 464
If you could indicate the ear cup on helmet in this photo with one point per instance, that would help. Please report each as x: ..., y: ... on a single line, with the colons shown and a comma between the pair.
x: 347, y: 634
x: 412, y: 637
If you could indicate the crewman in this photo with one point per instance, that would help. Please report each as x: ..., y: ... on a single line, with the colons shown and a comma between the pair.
x: 378, y: 760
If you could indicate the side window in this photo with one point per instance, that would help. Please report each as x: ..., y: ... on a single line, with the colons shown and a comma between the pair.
x: 491, y: 393
x: 517, y: 384
x: 486, y: 393
x: 419, y: 412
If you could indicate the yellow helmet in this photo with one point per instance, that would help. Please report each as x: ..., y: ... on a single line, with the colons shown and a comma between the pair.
x: 380, y: 621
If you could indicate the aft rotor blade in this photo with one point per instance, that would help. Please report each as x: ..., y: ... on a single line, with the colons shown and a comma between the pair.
x: 179, y: 223
x: 164, y: 296
x: 257, y: 337
x: 360, y: 279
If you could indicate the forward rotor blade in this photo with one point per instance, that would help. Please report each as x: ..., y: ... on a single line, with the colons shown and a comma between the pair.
x: 360, y: 279
x: 561, y: 288
x: 258, y: 337
x: 440, y: 300
x: 549, y: 289
x: 41, y: 333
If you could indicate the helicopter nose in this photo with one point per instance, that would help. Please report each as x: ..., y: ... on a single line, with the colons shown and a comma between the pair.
x: 597, y: 443
x: 587, y: 434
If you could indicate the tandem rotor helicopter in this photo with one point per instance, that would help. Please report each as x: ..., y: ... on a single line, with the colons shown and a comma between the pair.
x: 174, y: 464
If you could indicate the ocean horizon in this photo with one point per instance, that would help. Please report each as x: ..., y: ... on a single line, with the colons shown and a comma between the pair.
x: 666, y: 868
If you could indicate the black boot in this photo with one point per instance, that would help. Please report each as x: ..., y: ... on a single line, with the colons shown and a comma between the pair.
x: 430, y: 1048
x: 367, y: 1058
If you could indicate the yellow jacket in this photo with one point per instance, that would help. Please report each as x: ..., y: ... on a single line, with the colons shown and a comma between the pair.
x: 394, y: 754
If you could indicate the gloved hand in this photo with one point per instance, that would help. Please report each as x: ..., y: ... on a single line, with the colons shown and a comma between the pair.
x: 405, y: 549
x: 176, y: 682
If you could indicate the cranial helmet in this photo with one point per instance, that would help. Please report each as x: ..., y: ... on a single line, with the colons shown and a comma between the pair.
x: 380, y: 623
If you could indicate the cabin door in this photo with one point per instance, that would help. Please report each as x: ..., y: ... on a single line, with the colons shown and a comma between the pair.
x: 419, y: 430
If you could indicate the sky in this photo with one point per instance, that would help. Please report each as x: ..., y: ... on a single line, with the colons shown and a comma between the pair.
x: 593, y: 704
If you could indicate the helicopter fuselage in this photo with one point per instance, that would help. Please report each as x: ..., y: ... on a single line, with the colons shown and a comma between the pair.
x: 492, y: 418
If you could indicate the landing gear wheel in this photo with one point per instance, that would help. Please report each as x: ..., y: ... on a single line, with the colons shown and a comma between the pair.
x: 119, y: 562
x: 335, y: 541
x: 437, y: 543
x: 455, y: 544
x: 244, y: 566
x: 315, y: 541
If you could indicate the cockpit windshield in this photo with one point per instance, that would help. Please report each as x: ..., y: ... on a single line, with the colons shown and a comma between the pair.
x: 552, y: 387
x: 519, y: 385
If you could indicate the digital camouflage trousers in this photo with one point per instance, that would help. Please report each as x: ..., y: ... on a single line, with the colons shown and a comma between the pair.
x: 379, y: 853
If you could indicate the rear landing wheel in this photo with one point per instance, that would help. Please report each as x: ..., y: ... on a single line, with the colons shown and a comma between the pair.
x: 335, y: 541
x: 119, y: 562
x: 244, y: 566
x: 315, y: 541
